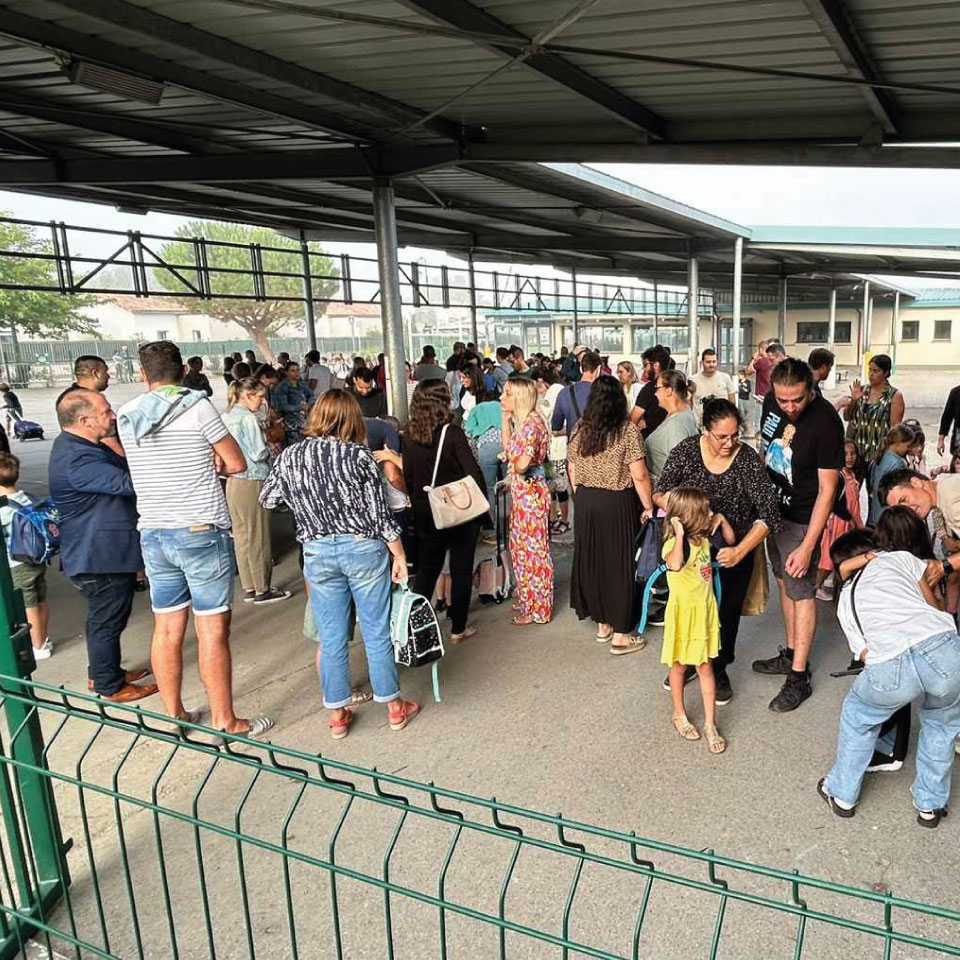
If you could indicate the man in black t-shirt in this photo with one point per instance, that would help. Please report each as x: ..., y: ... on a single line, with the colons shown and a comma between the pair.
x: 801, y: 440
x: 647, y: 408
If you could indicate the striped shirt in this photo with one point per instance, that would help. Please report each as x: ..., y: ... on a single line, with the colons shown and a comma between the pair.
x: 173, y: 471
x: 332, y: 488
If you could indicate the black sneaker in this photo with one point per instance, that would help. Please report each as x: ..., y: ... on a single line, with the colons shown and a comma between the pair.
x: 273, y: 595
x: 794, y: 691
x: 845, y: 812
x: 882, y: 763
x: 249, y: 596
x: 689, y: 673
x: 724, y: 690
x: 931, y: 818
x: 781, y: 664
x: 656, y: 614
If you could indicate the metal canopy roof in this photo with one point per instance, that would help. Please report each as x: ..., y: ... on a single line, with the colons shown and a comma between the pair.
x: 287, y: 113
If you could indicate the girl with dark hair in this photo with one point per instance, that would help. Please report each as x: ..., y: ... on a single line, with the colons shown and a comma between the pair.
x: 875, y: 409
x: 291, y: 398
x: 426, y: 463
x: 890, y: 455
x: 606, y: 465
x: 733, y: 477
x: 471, y: 386
x: 852, y: 477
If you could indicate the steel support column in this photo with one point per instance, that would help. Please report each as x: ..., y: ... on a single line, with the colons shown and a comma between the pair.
x: 656, y: 311
x: 895, y: 327
x: 735, y: 306
x: 832, y: 319
x: 865, y: 331
x: 782, y: 313
x: 385, y: 226
x: 308, y: 292
x: 576, y: 312
x: 693, y: 317
x: 474, y: 335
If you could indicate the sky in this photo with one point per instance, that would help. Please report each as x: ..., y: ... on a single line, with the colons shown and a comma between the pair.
x: 751, y: 196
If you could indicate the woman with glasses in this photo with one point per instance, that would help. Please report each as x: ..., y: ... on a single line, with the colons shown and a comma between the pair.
x: 606, y: 466
x: 733, y: 477
x: 674, y: 392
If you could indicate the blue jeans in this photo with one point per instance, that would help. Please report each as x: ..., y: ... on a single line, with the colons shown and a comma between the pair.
x: 189, y: 565
x: 337, y: 568
x: 489, y: 461
x: 931, y: 670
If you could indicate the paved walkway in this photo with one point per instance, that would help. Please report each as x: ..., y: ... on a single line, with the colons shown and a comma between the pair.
x: 542, y: 717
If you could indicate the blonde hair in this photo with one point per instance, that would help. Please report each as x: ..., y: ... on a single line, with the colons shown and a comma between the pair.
x: 631, y: 369
x: 336, y: 414
x: 243, y: 385
x: 525, y: 397
x: 691, y: 506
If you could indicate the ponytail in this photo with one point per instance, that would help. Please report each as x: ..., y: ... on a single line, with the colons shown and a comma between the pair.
x: 244, y: 385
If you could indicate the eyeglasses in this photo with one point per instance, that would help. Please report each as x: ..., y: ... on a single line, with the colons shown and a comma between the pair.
x: 723, y: 438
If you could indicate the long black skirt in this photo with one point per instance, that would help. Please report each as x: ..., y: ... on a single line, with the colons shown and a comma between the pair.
x: 602, y: 588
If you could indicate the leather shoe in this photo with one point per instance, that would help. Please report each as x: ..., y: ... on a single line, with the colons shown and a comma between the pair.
x: 131, y: 692
x: 130, y: 676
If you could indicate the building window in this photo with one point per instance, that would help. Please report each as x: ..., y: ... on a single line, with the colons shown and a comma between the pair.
x: 941, y: 329
x: 163, y: 334
x: 196, y: 336
x: 675, y: 337
x: 604, y: 339
x: 818, y: 331
x: 910, y: 330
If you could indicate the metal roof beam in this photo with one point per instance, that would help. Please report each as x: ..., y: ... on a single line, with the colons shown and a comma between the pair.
x: 837, y: 25
x: 51, y: 35
x: 466, y: 16
x: 146, y: 23
x: 15, y: 101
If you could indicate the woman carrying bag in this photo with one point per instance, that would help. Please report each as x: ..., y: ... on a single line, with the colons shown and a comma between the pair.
x: 429, y: 464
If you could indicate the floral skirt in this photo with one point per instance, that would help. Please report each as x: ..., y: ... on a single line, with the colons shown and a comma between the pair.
x: 530, y: 549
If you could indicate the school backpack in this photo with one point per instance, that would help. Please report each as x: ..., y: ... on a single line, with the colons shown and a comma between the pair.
x: 414, y: 630
x: 647, y: 554
x: 35, y: 532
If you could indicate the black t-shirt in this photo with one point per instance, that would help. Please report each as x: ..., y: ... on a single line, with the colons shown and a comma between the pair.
x: 794, y: 450
x: 653, y: 413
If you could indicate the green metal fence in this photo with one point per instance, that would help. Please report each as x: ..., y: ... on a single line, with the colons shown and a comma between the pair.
x: 183, y: 848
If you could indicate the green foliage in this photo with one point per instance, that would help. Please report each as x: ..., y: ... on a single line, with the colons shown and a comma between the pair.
x: 261, y: 319
x: 40, y: 314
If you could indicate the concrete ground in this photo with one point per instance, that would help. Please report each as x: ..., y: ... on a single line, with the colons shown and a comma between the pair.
x: 540, y: 717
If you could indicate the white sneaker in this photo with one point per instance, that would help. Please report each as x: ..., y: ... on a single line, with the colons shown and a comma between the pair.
x: 45, y: 652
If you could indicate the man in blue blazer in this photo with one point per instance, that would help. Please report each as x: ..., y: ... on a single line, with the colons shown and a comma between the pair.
x: 99, y: 542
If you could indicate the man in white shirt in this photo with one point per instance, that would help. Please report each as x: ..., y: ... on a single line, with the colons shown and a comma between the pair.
x: 319, y: 375
x: 176, y: 443
x: 712, y: 382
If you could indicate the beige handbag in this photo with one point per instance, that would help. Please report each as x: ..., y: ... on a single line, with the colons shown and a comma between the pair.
x: 456, y: 502
x: 758, y: 590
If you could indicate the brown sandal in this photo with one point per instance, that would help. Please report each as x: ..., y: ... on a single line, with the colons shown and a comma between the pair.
x: 622, y: 649
x: 715, y: 742
x: 685, y: 728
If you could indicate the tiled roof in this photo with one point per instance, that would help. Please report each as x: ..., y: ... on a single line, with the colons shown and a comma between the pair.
x: 145, y: 304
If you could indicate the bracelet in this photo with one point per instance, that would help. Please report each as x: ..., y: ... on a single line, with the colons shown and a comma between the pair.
x: 947, y: 567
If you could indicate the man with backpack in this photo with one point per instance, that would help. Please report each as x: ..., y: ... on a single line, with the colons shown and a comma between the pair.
x: 573, y: 400
x: 99, y: 545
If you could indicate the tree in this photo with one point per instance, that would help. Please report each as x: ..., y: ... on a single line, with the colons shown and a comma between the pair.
x: 259, y: 318
x: 38, y: 313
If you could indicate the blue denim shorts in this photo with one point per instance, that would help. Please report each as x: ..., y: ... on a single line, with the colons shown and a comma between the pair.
x: 189, y: 565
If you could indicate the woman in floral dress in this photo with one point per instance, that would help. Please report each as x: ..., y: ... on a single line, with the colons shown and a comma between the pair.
x: 526, y: 445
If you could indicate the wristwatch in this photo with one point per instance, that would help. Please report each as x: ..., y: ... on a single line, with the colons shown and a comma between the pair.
x: 947, y: 567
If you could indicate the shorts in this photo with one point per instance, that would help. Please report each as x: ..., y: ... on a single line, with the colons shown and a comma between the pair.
x: 189, y: 565
x: 780, y: 546
x: 31, y: 580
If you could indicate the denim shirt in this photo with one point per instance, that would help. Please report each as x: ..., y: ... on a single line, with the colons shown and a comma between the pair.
x: 287, y: 397
x: 245, y: 428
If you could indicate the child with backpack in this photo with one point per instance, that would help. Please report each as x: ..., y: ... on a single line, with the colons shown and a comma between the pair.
x: 29, y: 578
x: 691, y: 632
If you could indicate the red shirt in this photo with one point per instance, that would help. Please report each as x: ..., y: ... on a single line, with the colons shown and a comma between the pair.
x: 763, y: 368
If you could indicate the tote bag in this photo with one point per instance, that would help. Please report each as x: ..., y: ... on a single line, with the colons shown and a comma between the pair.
x: 457, y: 502
x: 758, y: 590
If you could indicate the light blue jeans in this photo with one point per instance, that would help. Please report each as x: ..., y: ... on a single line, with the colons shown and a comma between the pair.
x: 931, y: 670
x: 337, y: 568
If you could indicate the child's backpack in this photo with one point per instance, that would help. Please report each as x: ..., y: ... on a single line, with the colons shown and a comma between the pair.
x: 414, y: 630
x: 35, y: 533
x: 647, y: 555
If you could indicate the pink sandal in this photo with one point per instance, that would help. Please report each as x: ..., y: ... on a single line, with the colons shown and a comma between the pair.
x: 400, y: 718
x: 340, y: 727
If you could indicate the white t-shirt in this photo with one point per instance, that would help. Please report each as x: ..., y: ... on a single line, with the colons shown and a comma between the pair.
x: 173, y: 472
x: 324, y: 377
x: 892, y: 611
x: 719, y: 385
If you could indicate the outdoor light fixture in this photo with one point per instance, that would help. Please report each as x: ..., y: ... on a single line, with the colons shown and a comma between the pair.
x: 134, y: 211
x: 110, y: 80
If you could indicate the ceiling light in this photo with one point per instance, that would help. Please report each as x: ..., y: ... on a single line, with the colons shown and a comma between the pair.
x: 131, y: 86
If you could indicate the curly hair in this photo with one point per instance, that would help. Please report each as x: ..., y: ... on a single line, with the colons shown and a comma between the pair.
x: 429, y: 410
x: 604, y: 418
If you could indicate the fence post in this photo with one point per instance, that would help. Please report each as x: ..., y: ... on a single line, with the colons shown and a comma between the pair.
x: 44, y: 850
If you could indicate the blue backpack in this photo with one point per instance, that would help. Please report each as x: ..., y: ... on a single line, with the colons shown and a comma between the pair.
x: 35, y: 533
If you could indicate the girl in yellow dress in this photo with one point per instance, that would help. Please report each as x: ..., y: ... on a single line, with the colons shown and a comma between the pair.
x: 691, y: 632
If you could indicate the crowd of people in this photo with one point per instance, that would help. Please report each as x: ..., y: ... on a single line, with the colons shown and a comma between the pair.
x: 837, y: 508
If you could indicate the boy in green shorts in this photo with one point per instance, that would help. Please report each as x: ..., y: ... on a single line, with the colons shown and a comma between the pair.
x: 29, y: 578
